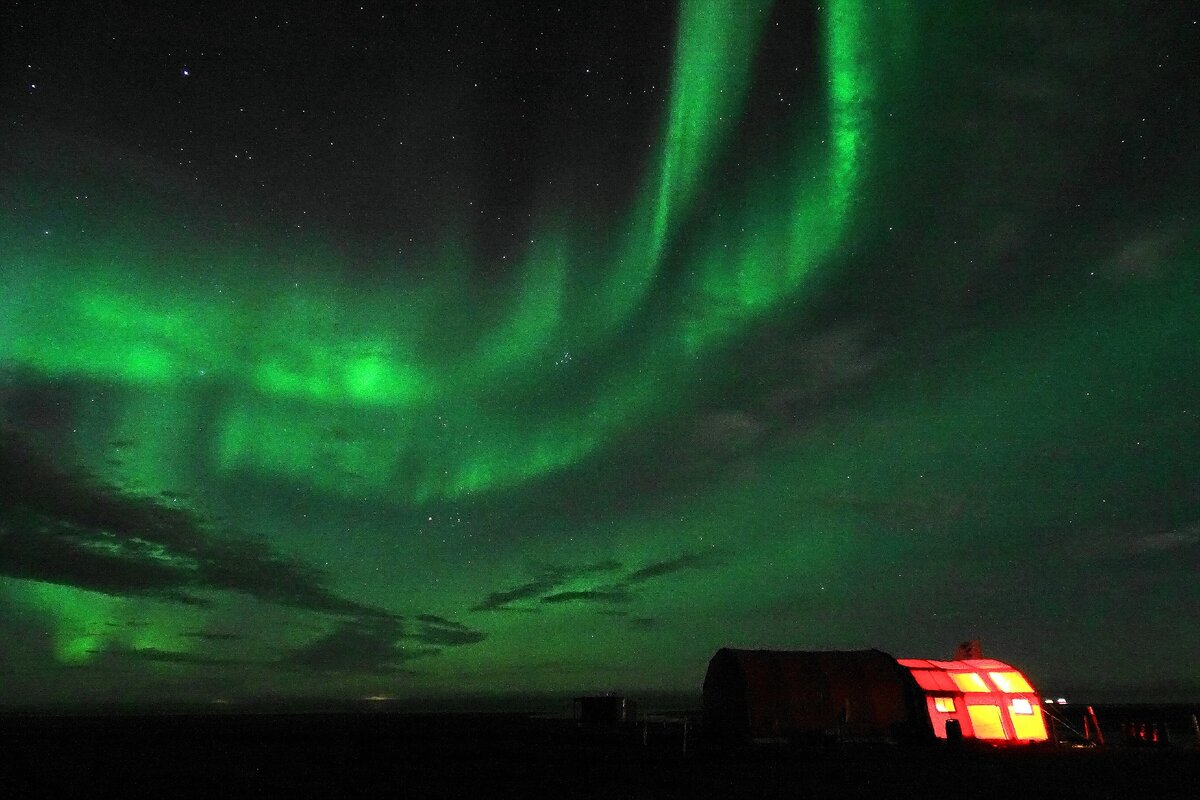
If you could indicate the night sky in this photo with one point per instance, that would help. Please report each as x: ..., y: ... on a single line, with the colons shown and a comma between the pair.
x: 474, y: 348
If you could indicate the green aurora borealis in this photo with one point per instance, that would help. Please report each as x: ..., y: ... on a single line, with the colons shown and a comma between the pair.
x: 888, y: 339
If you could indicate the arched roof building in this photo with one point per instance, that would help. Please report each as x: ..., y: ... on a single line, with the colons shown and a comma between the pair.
x: 754, y: 694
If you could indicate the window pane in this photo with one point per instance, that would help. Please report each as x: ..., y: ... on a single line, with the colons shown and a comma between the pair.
x: 1010, y: 681
x: 1029, y: 726
x: 986, y: 721
x: 969, y: 682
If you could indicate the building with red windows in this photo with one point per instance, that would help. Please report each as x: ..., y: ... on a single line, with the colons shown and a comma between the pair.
x: 988, y: 699
x: 758, y: 694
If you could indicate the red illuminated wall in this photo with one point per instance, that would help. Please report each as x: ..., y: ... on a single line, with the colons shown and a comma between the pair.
x: 990, y: 699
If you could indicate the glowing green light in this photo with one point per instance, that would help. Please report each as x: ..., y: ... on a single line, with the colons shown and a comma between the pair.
x: 420, y: 389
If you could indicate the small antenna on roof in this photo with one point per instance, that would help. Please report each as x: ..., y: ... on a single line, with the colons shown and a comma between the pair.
x: 968, y: 649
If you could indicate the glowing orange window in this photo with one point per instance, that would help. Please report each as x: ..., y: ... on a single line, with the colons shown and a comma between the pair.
x: 986, y: 722
x: 944, y: 704
x: 1028, y: 726
x: 1010, y: 682
x: 969, y: 682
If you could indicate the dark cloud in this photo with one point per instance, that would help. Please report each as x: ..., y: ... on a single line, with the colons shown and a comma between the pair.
x: 365, y: 646
x: 38, y: 547
x: 727, y: 433
x: 929, y: 509
x: 631, y: 620
x: 606, y: 595
x: 550, y: 579
x: 549, y: 588
x: 26, y: 638
x: 659, y: 569
x: 501, y: 599
x: 212, y: 637
x: 381, y: 646
x: 823, y: 367
x: 185, y: 599
x: 155, y: 655
x: 434, y: 630
x: 68, y: 529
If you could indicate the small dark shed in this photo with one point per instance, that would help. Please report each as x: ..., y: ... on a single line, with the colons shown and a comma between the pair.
x: 605, y: 710
x: 754, y: 694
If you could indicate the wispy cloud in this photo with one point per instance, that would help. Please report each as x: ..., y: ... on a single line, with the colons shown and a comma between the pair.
x: 688, y: 561
x: 550, y: 579
x: 605, y: 595
x: 1137, y: 544
x: 502, y: 598
x: 611, y: 584
x: 156, y: 655
x: 1166, y: 541
x: 212, y: 637
x: 434, y: 630
x: 380, y: 646
x: 68, y: 529
x: 374, y: 646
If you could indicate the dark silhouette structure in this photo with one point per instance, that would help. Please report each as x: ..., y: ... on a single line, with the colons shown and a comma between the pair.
x: 867, y: 694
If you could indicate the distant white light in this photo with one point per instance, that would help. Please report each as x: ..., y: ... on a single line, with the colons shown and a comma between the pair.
x: 1062, y: 701
x: 185, y: 72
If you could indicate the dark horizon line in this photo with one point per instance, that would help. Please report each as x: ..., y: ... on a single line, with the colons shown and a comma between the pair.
x: 532, y: 703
